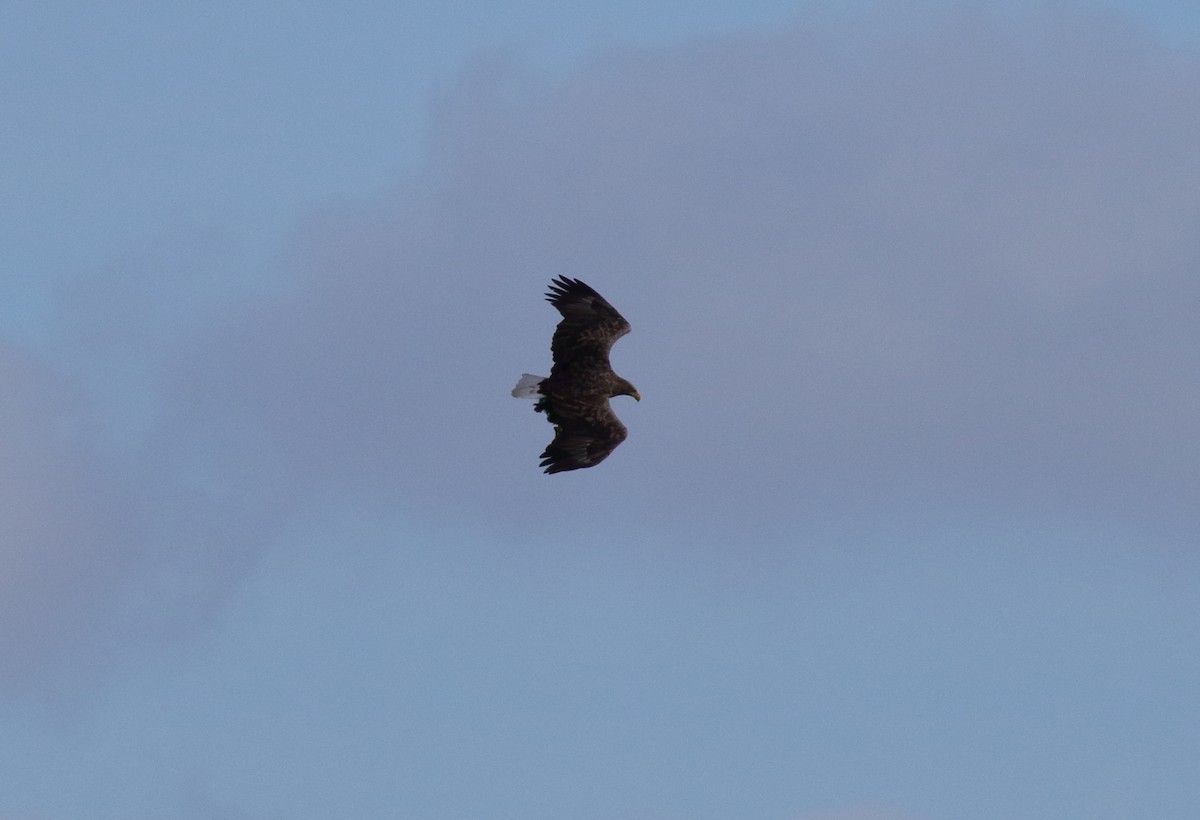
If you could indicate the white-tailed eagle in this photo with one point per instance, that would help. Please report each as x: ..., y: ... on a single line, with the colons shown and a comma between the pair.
x: 575, y: 395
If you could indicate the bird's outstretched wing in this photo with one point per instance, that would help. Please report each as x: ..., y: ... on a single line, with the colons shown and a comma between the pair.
x: 584, y: 445
x: 589, y: 325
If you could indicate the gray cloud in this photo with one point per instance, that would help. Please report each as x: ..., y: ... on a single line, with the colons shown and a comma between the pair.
x: 115, y: 538
x: 948, y: 269
x: 954, y: 266
x: 70, y: 533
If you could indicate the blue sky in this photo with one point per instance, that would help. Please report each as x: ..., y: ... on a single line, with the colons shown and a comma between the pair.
x: 905, y: 527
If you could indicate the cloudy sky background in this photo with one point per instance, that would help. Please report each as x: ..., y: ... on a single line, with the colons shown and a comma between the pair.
x: 906, y: 525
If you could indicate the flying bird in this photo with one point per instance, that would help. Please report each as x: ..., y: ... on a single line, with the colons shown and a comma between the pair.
x: 575, y: 395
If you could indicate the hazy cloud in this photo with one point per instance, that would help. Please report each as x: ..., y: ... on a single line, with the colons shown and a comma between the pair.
x: 70, y: 532
x: 952, y: 268
x: 955, y: 267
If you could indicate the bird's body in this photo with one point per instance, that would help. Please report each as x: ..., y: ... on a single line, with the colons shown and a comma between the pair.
x: 575, y: 396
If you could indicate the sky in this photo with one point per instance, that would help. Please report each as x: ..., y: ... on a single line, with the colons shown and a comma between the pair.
x: 905, y: 527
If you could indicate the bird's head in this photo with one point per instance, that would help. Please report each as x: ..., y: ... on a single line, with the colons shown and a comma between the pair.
x: 624, y: 388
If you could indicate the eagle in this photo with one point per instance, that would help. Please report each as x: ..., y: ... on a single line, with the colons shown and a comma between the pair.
x: 575, y: 395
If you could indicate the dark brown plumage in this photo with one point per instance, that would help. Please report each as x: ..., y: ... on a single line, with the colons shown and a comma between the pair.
x: 575, y: 396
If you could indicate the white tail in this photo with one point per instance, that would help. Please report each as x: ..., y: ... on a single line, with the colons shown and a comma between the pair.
x: 527, y: 387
